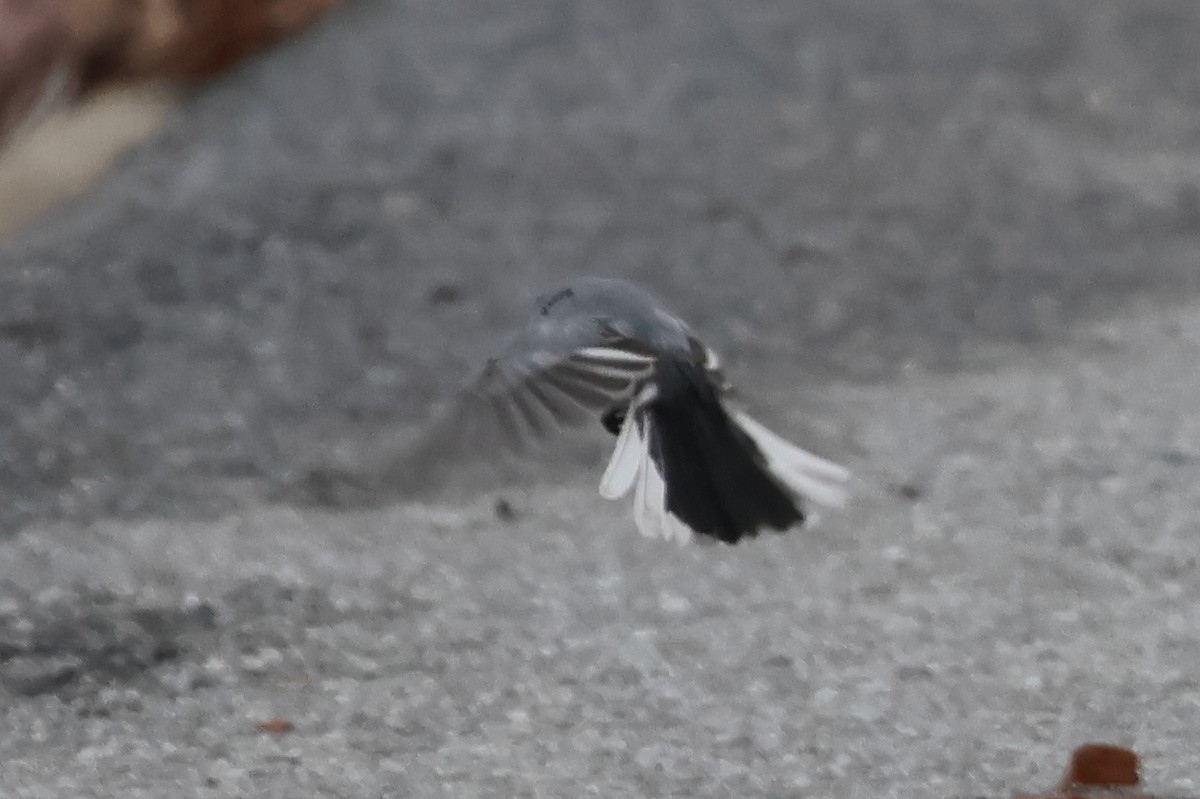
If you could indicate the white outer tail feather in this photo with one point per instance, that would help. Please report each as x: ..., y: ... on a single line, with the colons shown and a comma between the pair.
x: 803, y: 473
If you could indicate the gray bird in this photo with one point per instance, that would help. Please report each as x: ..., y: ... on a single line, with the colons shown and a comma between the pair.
x: 604, y: 348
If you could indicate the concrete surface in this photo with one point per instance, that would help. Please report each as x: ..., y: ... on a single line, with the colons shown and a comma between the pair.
x: 954, y: 243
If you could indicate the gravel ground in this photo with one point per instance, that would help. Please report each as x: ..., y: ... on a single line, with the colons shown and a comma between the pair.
x: 1038, y: 592
x: 953, y: 242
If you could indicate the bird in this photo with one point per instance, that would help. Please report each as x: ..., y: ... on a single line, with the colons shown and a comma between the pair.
x: 698, y: 465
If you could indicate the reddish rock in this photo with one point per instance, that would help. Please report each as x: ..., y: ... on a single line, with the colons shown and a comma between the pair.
x: 1098, y: 771
x: 1101, y: 764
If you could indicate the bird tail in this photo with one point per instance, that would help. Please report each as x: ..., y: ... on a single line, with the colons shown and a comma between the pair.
x: 696, y: 466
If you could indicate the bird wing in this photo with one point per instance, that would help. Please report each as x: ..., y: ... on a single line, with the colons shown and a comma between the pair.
x: 557, y: 373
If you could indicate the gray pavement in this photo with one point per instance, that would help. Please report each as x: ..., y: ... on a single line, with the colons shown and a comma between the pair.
x: 953, y: 243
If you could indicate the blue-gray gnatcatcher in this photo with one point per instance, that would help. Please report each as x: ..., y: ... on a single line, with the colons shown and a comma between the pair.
x: 603, y: 348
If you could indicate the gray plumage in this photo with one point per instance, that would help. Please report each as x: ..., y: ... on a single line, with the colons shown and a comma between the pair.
x: 601, y: 348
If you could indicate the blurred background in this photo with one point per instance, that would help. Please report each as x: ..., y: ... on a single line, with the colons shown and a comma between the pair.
x: 247, y: 249
x: 108, y: 67
x: 316, y: 247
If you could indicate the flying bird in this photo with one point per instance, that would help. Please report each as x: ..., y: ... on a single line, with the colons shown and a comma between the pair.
x: 697, y: 464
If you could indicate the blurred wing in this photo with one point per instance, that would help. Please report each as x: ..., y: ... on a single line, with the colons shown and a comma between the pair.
x: 553, y: 376
x: 533, y: 397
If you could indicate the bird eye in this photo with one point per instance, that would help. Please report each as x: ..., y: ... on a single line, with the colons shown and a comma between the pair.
x: 556, y: 298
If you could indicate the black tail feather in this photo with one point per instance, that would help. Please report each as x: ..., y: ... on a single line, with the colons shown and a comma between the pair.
x: 716, y: 478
